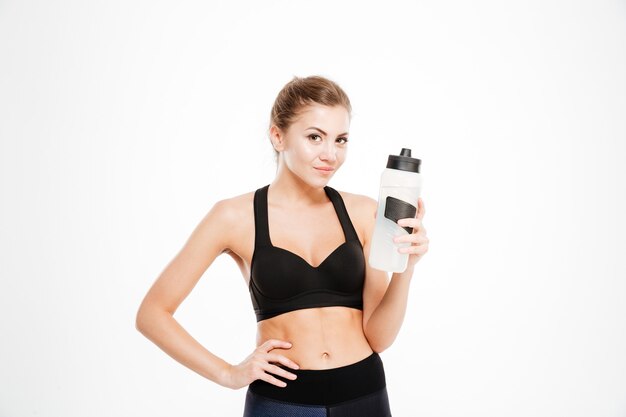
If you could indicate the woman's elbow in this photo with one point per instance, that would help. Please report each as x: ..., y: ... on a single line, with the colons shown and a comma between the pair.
x: 378, y: 344
x: 145, y: 316
x: 140, y: 320
x: 379, y: 348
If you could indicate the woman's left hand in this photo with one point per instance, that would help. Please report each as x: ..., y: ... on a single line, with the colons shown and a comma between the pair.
x: 418, y: 239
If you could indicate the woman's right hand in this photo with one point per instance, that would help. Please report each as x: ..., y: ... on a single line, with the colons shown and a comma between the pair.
x: 258, y: 365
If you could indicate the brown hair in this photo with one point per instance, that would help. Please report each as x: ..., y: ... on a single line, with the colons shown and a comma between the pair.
x: 300, y: 92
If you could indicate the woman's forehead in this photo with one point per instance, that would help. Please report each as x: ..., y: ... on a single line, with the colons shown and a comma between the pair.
x: 318, y: 114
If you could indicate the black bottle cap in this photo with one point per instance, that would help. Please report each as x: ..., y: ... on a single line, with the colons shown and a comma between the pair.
x: 404, y: 162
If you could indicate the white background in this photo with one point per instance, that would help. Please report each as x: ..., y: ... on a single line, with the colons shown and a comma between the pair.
x: 122, y: 123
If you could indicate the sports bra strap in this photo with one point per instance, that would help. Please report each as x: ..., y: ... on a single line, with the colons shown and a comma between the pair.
x: 261, y: 228
x: 342, y: 213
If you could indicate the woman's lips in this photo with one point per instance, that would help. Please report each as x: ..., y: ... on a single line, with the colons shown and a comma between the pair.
x: 324, y: 170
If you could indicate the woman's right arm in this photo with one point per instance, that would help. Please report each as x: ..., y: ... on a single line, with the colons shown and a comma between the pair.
x: 155, y: 317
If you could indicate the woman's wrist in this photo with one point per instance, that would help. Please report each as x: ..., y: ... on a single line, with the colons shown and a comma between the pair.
x: 407, y: 273
x: 224, y: 375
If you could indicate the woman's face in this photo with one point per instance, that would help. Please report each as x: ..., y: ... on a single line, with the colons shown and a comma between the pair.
x: 315, y: 145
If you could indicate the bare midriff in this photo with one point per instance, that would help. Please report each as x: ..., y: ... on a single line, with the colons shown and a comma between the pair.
x: 321, y: 337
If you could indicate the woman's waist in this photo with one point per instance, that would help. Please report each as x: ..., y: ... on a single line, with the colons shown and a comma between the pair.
x: 320, y: 338
x: 328, y: 386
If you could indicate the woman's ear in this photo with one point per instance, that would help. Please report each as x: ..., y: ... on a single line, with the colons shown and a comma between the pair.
x: 277, y: 138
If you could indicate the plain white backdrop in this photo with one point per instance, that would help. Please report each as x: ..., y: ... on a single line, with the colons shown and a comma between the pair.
x: 123, y: 122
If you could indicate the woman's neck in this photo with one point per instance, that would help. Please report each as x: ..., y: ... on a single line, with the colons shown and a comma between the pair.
x: 287, y: 189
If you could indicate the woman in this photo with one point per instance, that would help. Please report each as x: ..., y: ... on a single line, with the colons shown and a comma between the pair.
x: 323, y: 313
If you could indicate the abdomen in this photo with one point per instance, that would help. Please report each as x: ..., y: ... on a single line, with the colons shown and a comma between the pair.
x: 321, y: 337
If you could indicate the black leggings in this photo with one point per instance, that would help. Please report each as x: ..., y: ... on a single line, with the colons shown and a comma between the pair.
x: 356, y: 390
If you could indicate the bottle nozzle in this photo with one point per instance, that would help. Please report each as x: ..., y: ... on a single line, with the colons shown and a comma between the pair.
x: 404, y: 161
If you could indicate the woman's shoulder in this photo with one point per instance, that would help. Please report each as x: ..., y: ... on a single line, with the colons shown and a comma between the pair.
x: 235, y: 211
x: 231, y: 217
x: 361, y: 209
x: 235, y: 206
x: 358, y: 202
x: 226, y: 221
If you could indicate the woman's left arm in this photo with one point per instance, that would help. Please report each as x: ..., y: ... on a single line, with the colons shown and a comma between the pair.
x: 385, y: 300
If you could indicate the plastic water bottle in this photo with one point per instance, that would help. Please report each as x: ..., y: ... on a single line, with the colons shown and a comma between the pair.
x: 400, y: 187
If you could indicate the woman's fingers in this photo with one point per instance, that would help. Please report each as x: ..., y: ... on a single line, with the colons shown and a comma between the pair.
x: 268, y: 358
x: 413, y: 239
x: 272, y: 380
x: 277, y: 370
x: 410, y: 221
x: 261, y: 364
x: 415, y: 249
x: 268, y: 370
x: 418, y: 239
x: 414, y: 223
x: 270, y: 344
x: 421, y: 210
x: 277, y: 358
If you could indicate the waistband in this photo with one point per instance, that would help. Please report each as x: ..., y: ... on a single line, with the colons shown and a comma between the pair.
x: 327, y: 386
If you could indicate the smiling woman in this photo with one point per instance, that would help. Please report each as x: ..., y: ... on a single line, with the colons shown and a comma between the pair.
x: 323, y: 314
x: 305, y: 147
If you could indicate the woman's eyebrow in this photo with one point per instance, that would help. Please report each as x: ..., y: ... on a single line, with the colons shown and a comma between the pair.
x: 322, y: 132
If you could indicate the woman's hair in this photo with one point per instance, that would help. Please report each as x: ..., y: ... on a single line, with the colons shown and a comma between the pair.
x: 300, y: 92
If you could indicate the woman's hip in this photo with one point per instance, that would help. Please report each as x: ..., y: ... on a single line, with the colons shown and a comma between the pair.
x: 355, y: 389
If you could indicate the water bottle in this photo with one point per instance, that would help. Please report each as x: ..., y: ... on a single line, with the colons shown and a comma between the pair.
x: 400, y: 186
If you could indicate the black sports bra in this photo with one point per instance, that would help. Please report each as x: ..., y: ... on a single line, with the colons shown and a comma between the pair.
x: 281, y: 281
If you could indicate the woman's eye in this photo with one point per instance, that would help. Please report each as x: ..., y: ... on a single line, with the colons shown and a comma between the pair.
x: 345, y: 140
x: 313, y: 136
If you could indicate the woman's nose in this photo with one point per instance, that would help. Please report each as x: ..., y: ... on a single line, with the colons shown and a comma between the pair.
x: 329, y: 153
